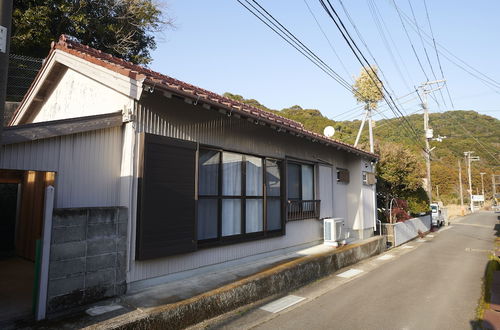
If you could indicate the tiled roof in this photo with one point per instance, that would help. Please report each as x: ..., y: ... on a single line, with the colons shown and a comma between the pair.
x: 138, y: 72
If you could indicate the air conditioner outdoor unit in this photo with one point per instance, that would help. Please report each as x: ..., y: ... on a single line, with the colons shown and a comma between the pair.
x: 332, y: 231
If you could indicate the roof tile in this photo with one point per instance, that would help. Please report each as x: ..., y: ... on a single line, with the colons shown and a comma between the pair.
x: 138, y: 72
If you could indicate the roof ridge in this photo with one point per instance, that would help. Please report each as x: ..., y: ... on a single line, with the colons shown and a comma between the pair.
x: 66, y: 41
x: 71, y: 45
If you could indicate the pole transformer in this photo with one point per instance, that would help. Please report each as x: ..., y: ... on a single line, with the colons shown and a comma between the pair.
x: 425, y: 89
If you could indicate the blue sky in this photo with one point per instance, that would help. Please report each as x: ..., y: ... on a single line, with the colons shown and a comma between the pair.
x: 220, y: 46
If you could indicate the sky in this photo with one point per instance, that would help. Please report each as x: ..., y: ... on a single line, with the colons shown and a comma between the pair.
x: 220, y: 46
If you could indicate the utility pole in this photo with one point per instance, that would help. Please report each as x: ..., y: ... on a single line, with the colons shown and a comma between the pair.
x: 493, y: 186
x: 469, y: 158
x: 482, y: 186
x: 425, y: 89
x: 460, y: 183
x: 437, y: 191
x: 5, y: 31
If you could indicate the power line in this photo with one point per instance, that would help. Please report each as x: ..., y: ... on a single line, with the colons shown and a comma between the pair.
x: 327, y: 39
x: 355, y: 49
x: 378, y: 24
x: 411, y: 43
x: 425, y: 51
x: 359, y: 107
x: 265, y: 17
x: 300, y: 47
x: 437, y: 53
x: 488, y: 81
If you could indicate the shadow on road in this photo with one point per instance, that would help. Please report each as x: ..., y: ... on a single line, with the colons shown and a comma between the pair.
x: 497, y: 229
x: 492, y: 266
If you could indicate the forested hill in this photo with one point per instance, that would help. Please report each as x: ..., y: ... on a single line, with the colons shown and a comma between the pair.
x: 464, y: 131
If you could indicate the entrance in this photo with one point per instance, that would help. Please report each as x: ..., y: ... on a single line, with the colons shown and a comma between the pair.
x: 22, y: 195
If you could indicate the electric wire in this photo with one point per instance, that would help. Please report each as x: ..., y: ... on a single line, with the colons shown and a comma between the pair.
x: 385, y: 42
x: 388, y: 31
x: 426, y: 53
x: 328, y: 40
x: 355, y: 49
x: 437, y: 53
x: 447, y: 54
x: 299, y: 47
x: 286, y: 35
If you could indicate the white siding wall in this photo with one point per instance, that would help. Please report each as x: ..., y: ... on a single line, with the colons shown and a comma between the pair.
x: 211, y: 128
x: 77, y: 95
x: 297, y: 232
x: 87, y: 165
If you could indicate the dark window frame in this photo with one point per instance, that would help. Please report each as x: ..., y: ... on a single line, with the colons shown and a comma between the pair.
x: 243, y: 236
x: 315, y: 202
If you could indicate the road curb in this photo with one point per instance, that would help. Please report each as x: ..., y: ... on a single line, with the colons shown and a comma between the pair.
x: 279, y: 279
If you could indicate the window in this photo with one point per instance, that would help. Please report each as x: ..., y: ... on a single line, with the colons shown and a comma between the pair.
x: 300, y: 192
x: 342, y: 175
x: 238, y: 195
x: 369, y: 178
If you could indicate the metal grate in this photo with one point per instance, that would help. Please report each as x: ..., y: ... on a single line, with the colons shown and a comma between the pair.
x: 300, y: 210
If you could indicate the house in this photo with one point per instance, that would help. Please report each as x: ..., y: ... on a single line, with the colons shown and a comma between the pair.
x: 155, y: 179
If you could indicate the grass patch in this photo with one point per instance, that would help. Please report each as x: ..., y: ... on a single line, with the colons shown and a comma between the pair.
x: 484, y: 302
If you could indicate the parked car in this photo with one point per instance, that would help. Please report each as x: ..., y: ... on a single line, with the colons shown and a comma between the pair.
x: 437, y: 217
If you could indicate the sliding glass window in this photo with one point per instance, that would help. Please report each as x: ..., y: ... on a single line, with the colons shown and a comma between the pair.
x: 231, y: 195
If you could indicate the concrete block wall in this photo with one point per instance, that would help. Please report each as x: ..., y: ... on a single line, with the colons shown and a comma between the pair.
x: 402, y: 232
x: 88, y: 256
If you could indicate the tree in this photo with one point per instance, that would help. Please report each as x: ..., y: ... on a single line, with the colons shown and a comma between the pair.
x: 124, y: 28
x: 399, y: 175
x: 368, y: 90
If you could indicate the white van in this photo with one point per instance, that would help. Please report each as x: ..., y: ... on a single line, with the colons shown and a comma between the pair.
x: 437, y: 217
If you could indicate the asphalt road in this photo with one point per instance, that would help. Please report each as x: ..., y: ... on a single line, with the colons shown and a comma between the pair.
x: 431, y: 284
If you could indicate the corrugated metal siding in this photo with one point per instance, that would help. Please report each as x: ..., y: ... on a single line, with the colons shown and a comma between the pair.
x: 297, y: 232
x: 368, y: 206
x: 87, y: 165
x: 212, y: 128
x: 220, y: 130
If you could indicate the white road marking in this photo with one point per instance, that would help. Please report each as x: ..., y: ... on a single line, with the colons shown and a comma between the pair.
x: 281, y: 304
x: 475, y: 225
x: 350, y: 273
x: 385, y: 257
x: 476, y: 250
x: 98, y: 310
x: 408, y: 247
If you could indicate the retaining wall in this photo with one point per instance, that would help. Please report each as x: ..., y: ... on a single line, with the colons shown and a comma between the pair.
x: 87, y: 257
x: 402, y: 232
x: 275, y: 281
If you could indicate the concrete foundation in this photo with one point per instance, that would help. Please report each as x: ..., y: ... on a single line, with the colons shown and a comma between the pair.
x: 274, y: 281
